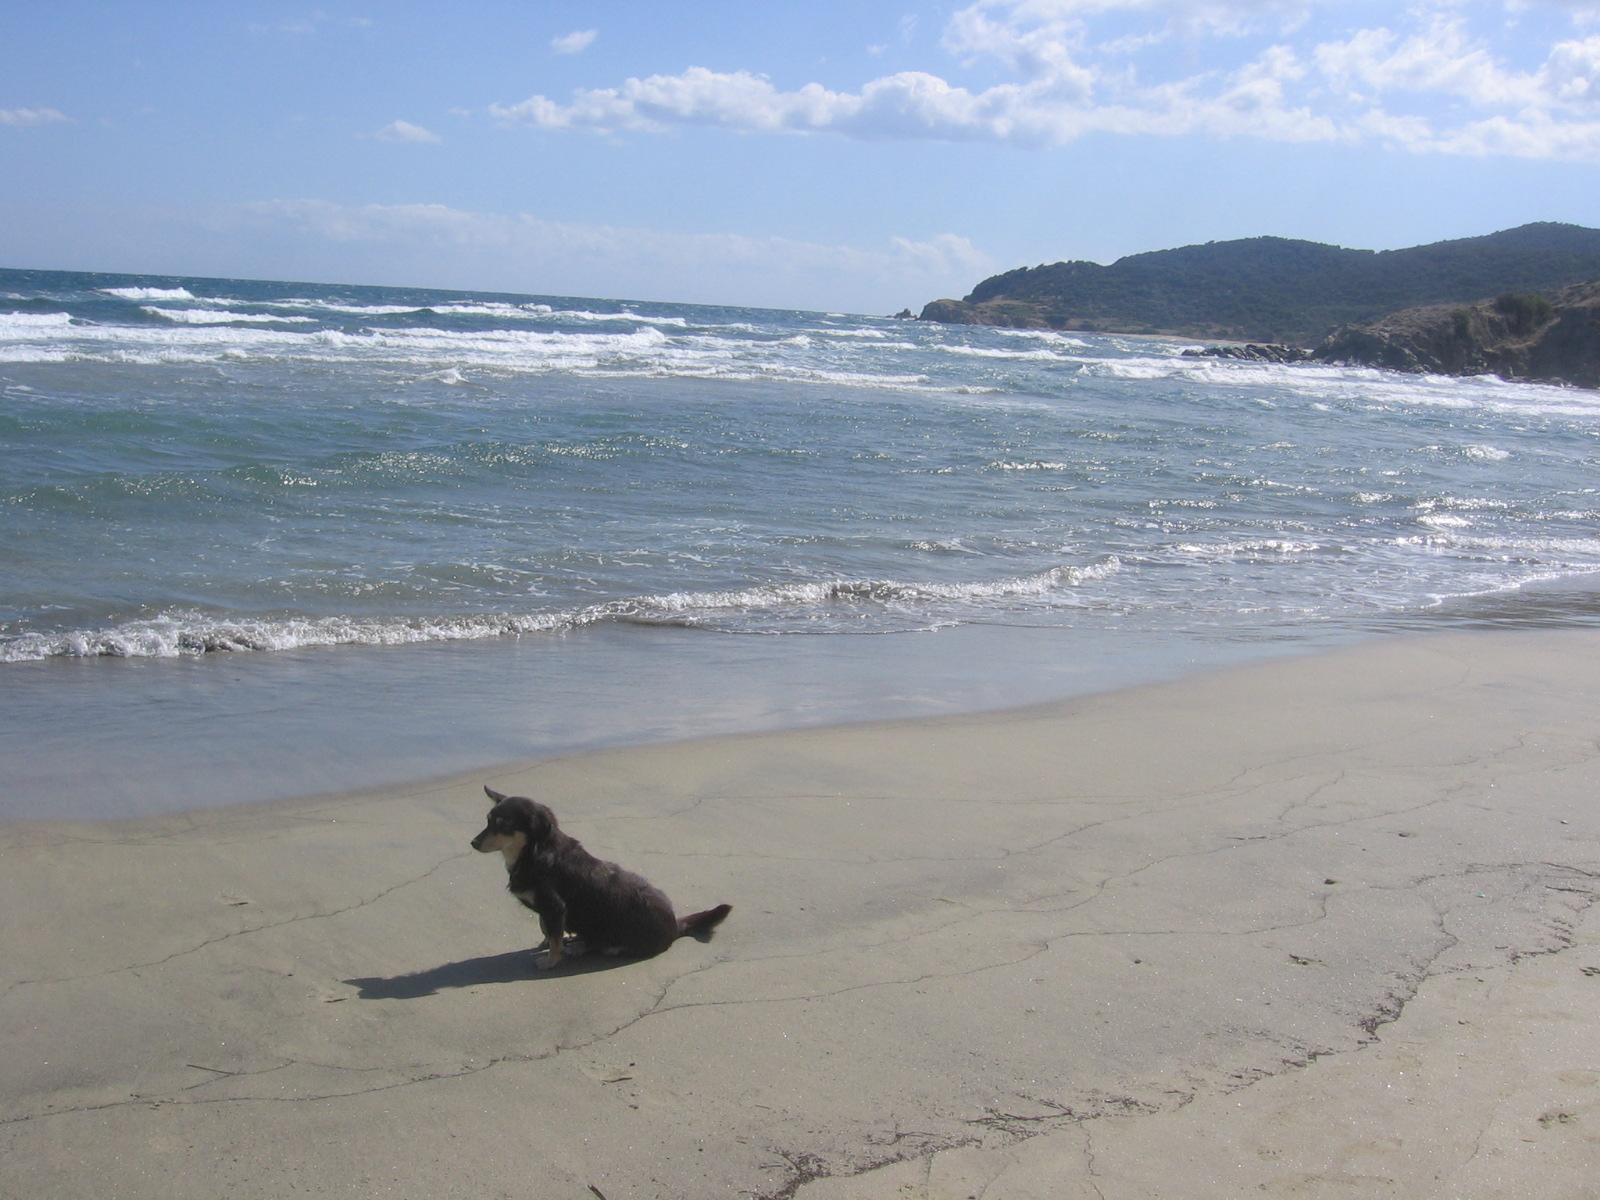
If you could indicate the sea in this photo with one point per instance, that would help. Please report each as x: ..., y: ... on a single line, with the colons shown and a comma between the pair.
x: 264, y: 539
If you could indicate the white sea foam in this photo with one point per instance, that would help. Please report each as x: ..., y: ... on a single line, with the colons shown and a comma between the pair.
x: 865, y: 334
x: 771, y: 597
x: 1556, y: 550
x: 32, y: 324
x: 987, y: 352
x: 176, y: 633
x: 643, y: 350
x: 566, y: 314
x: 1128, y: 369
x: 33, y: 354
x: 222, y: 316
x: 1054, y: 337
x: 1247, y: 547
x: 522, y: 312
x: 1462, y: 504
x: 359, y: 310
x: 150, y: 293
x: 182, y: 633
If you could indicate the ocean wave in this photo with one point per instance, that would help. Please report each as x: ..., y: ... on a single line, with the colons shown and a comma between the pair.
x: 500, y: 340
x: 149, y: 293
x: 356, y: 310
x: 1573, y: 553
x: 493, y: 308
x: 873, y: 335
x: 179, y: 633
x: 988, y: 352
x: 567, y: 314
x: 1131, y: 369
x: 222, y: 316
x: 28, y: 355
x: 641, y: 353
x: 1249, y: 548
x: 1054, y: 337
x: 27, y: 323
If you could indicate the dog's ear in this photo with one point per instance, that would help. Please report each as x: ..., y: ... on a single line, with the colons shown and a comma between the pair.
x: 541, y: 823
x: 494, y: 796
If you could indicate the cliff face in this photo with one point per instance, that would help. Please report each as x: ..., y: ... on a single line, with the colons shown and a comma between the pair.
x: 1273, y: 289
x: 1516, y: 337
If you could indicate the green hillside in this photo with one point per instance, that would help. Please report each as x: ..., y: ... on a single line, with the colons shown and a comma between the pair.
x: 1275, y: 289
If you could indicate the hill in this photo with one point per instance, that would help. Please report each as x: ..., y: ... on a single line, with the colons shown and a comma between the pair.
x: 1275, y: 289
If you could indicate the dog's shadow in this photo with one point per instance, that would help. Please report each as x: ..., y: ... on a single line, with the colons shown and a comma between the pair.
x: 514, y: 966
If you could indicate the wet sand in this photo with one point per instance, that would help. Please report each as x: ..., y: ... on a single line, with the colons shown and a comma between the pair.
x: 1319, y: 927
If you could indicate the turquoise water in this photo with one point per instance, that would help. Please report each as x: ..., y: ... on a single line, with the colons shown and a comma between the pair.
x: 196, y: 470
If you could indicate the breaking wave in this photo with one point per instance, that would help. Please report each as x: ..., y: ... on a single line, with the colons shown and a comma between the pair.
x: 149, y: 293
x: 768, y: 608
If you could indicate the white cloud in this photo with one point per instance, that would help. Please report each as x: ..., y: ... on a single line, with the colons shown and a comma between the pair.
x: 23, y: 117
x: 944, y: 254
x: 1571, y: 75
x: 1441, y: 59
x: 405, y: 131
x: 528, y: 253
x: 1055, y: 96
x: 1052, y: 109
x: 1431, y: 79
x: 575, y: 42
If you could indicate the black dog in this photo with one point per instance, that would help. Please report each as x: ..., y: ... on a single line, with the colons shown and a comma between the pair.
x: 575, y: 892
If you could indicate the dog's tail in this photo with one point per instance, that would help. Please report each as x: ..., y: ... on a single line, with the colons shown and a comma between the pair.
x: 703, y: 922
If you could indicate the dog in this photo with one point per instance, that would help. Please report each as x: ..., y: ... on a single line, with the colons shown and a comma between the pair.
x: 574, y: 892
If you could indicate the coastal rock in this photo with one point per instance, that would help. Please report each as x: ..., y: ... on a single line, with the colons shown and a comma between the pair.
x: 1008, y: 314
x: 1252, y: 352
x: 1515, y: 336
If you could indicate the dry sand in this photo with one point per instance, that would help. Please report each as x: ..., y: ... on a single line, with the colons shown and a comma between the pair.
x: 1318, y: 928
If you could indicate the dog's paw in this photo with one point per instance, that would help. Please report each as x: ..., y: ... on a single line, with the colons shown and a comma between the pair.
x: 573, y: 947
x: 547, y: 960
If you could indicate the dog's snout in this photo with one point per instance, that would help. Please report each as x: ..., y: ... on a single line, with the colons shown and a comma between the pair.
x: 477, y: 842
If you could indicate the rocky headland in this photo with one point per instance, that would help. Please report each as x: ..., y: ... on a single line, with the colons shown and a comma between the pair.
x: 1281, y: 300
x: 1554, y: 339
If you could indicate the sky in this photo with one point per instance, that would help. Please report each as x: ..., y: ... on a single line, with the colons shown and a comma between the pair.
x: 840, y: 155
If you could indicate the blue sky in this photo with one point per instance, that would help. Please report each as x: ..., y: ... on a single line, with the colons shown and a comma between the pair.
x: 832, y: 155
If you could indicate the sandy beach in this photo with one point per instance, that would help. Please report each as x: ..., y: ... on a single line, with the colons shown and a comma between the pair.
x: 1319, y: 927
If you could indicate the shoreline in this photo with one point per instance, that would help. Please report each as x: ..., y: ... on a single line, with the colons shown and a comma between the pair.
x: 1143, y: 942
x: 126, y: 738
x: 129, y: 738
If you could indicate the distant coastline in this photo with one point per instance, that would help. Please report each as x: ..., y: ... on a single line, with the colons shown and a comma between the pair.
x: 1270, y: 289
x: 1523, y: 303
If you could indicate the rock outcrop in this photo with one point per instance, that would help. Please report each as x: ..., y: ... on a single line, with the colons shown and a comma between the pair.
x: 1253, y: 352
x: 1554, y: 339
x: 1516, y: 336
